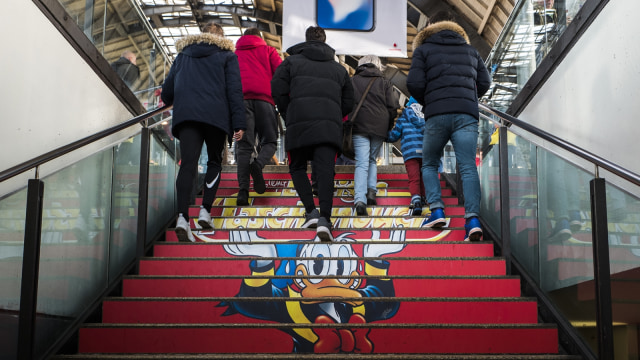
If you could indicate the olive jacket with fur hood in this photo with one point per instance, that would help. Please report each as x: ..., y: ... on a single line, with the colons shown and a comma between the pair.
x: 447, y: 75
x: 204, y: 84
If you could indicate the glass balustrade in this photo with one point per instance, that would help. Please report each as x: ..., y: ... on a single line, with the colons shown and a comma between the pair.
x: 551, y: 234
x: 117, y: 27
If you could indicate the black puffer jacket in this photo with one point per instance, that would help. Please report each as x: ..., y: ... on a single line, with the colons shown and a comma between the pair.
x: 379, y: 107
x: 204, y: 84
x: 447, y: 74
x: 313, y: 93
x: 126, y: 70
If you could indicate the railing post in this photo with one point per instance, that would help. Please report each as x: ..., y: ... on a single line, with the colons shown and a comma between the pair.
x: 143, y: 196
x: 30, y: 269
x: 505, y: 208
x: 601, y: 268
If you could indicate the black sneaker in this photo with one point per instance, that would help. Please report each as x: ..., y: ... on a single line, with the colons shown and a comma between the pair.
x: 416, y: 206
x: 258, y: 180
x: 311, y: 219
x: 323, y: 231
x: 243, y: 197
x: 371, y: 196
x: 361, y: 209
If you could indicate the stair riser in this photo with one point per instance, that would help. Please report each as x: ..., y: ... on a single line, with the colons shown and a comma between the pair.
x: 288, y: 184
x: 437, y: 249
x: 339, y: 191
x: 273, y: 199
x: 292, y: 222
x: 337, y: 176
x: 397, y: 267
x: 298, y: 210
x: 248, y: 340
x: 309, y: 235
x: 422, y: 312
x: 439, y: 287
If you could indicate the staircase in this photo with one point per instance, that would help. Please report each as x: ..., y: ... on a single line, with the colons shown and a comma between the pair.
x: 259, y: 287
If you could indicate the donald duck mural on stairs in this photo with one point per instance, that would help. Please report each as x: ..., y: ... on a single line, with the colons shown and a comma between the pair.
x: 325, y: 284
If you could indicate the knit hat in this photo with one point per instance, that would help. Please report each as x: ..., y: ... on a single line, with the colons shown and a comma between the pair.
x: 370, y: 59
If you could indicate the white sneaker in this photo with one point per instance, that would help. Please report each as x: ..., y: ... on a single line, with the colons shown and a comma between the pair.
x: 204, y: 219
x: 183, y: 230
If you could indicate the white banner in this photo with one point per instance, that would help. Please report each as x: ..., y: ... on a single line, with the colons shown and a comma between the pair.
x: 353, y: 27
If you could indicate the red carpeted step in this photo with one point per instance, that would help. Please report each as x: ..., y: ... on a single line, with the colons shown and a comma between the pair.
x: 436, y: 249
x: 232, y: 210
x: 399, y: 266
x: 286, y: 183
x: 277, y: 199
x: 454, y: 235
x: 441, y: 339
x: 275, y: 221
x: 211, y: 286
x: 338, y: 176
x: 387, y: 191
x: 424, y: 311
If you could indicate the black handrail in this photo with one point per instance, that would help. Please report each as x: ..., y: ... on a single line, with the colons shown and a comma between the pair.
x: 595, y: 159
x: 46, y: 157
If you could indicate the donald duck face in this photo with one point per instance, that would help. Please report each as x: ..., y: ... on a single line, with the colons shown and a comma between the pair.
x: 328, y: 270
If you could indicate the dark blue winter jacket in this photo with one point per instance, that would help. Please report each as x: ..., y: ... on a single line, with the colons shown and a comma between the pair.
x: 447, y: 75
x: 204, y: 84
x: 409, y: 129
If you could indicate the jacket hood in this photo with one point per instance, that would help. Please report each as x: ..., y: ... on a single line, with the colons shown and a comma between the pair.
x: 433, y: 29
x: 249, y: 41
x: 205, y: 39
x: 313, y: 50
x: 418, y: 120
x: 368, y: 70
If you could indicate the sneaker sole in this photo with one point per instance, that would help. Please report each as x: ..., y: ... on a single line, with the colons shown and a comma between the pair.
x: 205, y: 224
x: 324, y: 234
x: 438, y: 223
x: 310, y: 224
x: 475, y: 235
x: 183, y: 236
x: 562, y: 235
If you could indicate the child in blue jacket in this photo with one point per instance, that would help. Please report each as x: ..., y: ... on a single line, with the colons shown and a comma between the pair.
x: 409, y: 128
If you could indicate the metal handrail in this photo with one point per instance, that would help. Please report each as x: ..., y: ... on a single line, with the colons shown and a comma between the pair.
x: 589, y: 156
x: 53, y: 154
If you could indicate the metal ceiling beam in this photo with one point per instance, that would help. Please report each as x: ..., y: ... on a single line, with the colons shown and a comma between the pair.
x: 430, y: 7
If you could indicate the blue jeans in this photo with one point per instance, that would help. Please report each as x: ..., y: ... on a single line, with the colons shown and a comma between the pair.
x: 462, y: 130
x: 365, y: 176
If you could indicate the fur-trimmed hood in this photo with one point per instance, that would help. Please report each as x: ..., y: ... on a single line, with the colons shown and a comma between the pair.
x: 430, y: 30
x: 205, y: 38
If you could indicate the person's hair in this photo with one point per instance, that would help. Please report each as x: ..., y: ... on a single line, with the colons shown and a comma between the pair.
x: 252, y: 31
x: 442, y: 15
x: 315, y: 33
x: 370, y: 59
x: 129, y: 55
x: 213, y: 28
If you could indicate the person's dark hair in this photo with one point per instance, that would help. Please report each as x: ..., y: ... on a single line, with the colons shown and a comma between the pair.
x: 213, y: 28
x: 252, y: 31
x: 315, y: 33
x: 442, y: 15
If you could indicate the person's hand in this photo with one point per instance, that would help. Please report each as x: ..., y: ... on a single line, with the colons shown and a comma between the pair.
x: 238, y: 135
